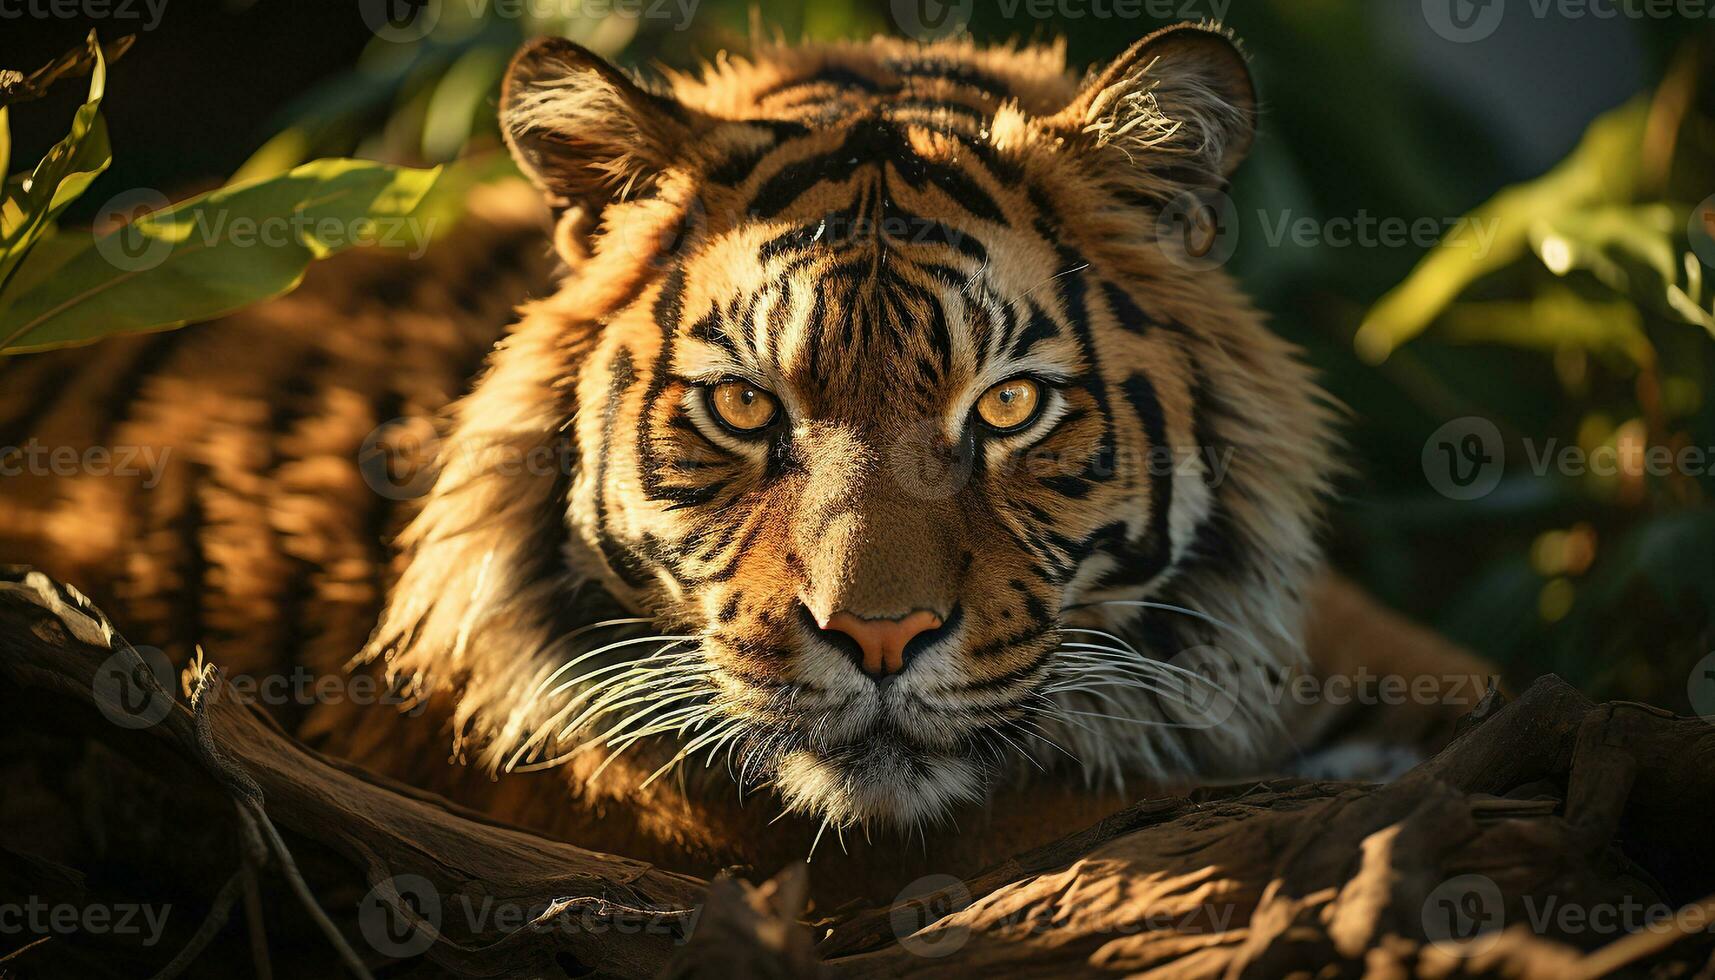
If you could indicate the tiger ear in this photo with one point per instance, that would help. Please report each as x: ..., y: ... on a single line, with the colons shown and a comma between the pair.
x: 1181, y: 101
x: 581, y: 130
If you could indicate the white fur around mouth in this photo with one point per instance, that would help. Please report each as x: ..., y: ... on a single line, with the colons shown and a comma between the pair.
x: 885, y: 783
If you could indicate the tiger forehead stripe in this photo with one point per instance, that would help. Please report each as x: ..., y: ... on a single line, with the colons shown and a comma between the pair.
x: 826, y: 324
x: 870, y: 143
x: 937, y: 81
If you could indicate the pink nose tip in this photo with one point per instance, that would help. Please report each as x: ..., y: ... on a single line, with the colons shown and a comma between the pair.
x: 883, y: 640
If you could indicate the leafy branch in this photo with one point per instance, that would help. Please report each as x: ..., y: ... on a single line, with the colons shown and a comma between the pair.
x: 164, y: 265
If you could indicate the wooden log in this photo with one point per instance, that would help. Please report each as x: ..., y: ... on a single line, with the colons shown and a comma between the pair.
x: 1553, y: 838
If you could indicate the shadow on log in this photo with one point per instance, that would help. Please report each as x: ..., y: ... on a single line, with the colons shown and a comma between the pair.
x: 1554, y: 838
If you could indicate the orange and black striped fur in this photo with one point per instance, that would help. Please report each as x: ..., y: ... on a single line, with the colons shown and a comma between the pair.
x: 631, y: 608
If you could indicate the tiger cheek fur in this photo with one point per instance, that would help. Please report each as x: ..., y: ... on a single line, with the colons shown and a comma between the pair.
x: 872, y: 599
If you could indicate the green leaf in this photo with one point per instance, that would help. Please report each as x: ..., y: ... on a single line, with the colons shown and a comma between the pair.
x: 448, y: 202
x: 459, y: 99
x: 1633, y: 250
x: 1601, y: 170
x: 17, y: 87
x: 1554, y: 319
x: 5, y: 144
x: 51, y: 252
x: 30, y: 203
x: 219, y: 252
x: 283, y: 151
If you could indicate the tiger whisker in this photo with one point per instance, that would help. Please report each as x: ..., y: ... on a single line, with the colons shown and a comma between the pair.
x: 545, y: 727
x: 586, y: 746
x: 1148, y: 723
x: 618, y: 675
x: 691, y: 747
x: 1151, y: 664
x: 1193, y: 613
x: 670, y: 641
x: 1094, y: 691
x: 617, y: 696
x: 677, y: 720
x: 810, y: 856
x: 656, y: 710
x: 1035, y: 731
x: 1001, y: 734
x: 537, y: 694
x: 1104, y: 634
x: 694, y: 719
x: 1081, y: 669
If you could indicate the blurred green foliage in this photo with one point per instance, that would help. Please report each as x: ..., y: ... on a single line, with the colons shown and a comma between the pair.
x: 1601, y: 567
x: 177, y: 263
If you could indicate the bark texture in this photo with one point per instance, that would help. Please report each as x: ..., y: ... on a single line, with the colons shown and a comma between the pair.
x: 1553, y: 838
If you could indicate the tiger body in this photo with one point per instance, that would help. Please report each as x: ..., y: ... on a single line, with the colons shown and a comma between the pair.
x: 622, y: 603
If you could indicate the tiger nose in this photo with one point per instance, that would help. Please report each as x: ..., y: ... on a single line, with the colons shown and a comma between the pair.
x: 882, y: 642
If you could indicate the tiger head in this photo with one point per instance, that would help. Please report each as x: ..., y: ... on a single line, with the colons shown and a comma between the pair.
x: 904, y: 440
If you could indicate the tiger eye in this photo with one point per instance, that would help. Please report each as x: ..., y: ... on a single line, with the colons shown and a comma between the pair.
x: 1010, y: 404
x: 743, y: 406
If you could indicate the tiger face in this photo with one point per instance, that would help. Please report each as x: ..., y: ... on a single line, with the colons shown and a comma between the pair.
x: 922, y: 452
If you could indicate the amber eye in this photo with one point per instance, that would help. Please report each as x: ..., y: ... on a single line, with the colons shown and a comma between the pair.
x: 742, y: 406
x: 1010, y: 405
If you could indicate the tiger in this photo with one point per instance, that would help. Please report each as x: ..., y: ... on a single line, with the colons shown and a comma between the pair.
x: 862, y: 458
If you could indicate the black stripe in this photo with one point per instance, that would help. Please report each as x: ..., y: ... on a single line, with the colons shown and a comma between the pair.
x: 1007, y: 679
x: 868, y: 142
x: 872, y: 141
x: 1215, y: 543
x: 1067, y: 486
x: 1129, y: 315
x: 929, y: 231
x: 1039, y: 327
x: 735, y: 170
x: 620, y: 559
x: 711, y: 329
x: 115, y: 407
x: 1140, y: 392
x: 964, y: 191
x: 837, y: 76
x: 951, y: 71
